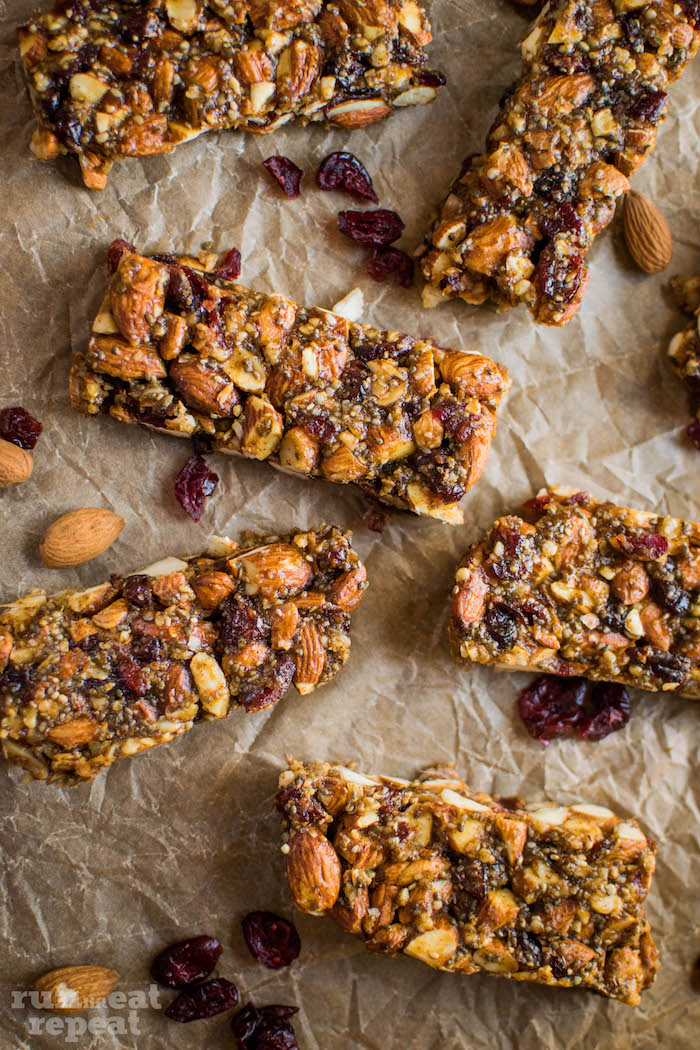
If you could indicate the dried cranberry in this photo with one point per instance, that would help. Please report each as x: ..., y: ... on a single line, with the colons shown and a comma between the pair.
x: 138, y: 591
x: 439, y: 478
x: 370, y: 351
x: 150, y: 416
x: 500, y: 622
x: 354, y: 382
x: 374, y: 519
x: 130, y: 676
x: 432, y: 78
x: 343, y: 171
x: 384, y: 263
x: 165, y: 257
x: 559, y: 277
x: 193, y: 485
x: 68, y: 127
x: 146, y: 648
x: 552, y: 707
x: 276, y: 1036
x: 287, y: 174
x: 229, y: 267
x: 534, y: 508
x: 668, y: 667
x: 115, y: 251
x: 563, y: 220
x: 693, y: 432
x: 17, y: 426
x: 529, y: 950
x: 264, y: 1028
x: 241, y: 624
x: 613, y: 704
x: 319, y: 426
x: 187, y: 961
x: 375, y: 229
x: 614, y: 615
x: 270, y: 685
x: 670, y: 596
x: 648, y: 106
x: 206, y: 1000
x: 511, y: 565
x: 306, y: 809
x: 647, y: 548
x: 272, y: 941
x: 558, y: 966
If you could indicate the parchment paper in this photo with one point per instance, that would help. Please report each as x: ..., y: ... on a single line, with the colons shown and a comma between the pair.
x: 184, y: 839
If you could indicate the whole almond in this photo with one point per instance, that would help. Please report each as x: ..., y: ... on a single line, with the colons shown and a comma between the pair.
x: 16, y: 464
x: 75, y: 988
x: 313, y: 872
x: 648, y: 237
x: 79, y: 536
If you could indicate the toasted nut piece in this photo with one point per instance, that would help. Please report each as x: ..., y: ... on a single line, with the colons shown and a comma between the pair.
x: 274, y: 321
x: 275, y: 569
x: 423, y: 501
x: 253, y: 655
x: 495, y: 958
x: 389, y: 381
x: 299, y: 450
x: 203, y: 388
x: 428, y: 431
x: 6, y: 644
x: 112, y: 616
x: 173, y: 589
x: 388, y: 444
x: 311, y: 659
x: 175, y: 335
x: 348, y: 589
x: 575, y: 954
x: 211, y: 684
x: 79, y: 536
x: 211, y: 588
x: 350, y: 918
x: 93, y: 599
x: 486, y: 248
x: 114, y: 357
x: 435, y: 946
x: 16, y: 464
x: 343, y: 466
x: 263, y: 428
x: 253, y: 67
x: 137, y: 296
x: 631, y: 583
x: 283, y: 624
x: 247, y: 370
x: 499, y: 909
x: 163, y: 82
x: 73, y: 734
x: 75, y: 988
x: 648, y: 237
x: 298, y: 67
x: 421, y: 372
x: 313, y: 871
x: 183, y: 15
x: 471, y: 375
x: 358, y: 114
x: 469, y: 599
x: 467, y: 838
x: 514, y: 835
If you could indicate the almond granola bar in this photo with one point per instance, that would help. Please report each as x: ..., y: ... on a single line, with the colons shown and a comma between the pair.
x: 118, y: 78
x: 87, y: 677
x: 191, y: 353
x: 467, y: 883
x: 520, y: 218
x: 581, y: 587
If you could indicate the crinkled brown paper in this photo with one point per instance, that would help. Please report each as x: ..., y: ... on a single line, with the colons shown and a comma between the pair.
x: 184, y: 839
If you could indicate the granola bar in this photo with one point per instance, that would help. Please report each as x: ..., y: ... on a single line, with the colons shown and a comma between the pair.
x: 467, y: 883
x: 684, y: 348
x: 520, y: 217
x: 87, y: 677
x: 191, y: 353
x: 131, y: 78
x: 581, y: 587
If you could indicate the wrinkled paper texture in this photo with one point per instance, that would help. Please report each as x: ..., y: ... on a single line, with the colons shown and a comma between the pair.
x: 184, y: 839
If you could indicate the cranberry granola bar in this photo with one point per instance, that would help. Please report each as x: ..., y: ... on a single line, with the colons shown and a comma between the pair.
x: 180, y: 348
x: 582, y: 587
x: 131, y: 78
x: 520, y: 218
x: 90, y: 676
x: 467, y: 883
